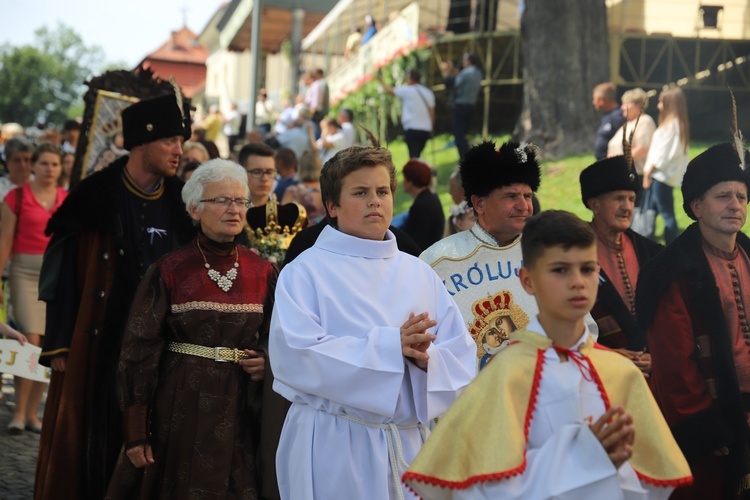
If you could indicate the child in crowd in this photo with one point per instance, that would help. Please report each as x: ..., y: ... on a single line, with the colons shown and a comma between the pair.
x: 365, y: 342
x: 554, y: 415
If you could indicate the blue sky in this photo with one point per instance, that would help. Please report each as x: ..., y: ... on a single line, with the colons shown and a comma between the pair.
x: 126, y: 30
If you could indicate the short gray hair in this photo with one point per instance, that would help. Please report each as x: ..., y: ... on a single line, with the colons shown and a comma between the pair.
x: 216, y: 170
x: 18, y: 144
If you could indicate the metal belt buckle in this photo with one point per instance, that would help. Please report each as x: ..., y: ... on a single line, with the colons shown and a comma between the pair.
x: 217, y: 357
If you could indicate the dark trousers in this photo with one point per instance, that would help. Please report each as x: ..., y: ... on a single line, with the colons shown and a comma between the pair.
x: 460, y: 122
x: 663, y: 200
x: 415, y: 141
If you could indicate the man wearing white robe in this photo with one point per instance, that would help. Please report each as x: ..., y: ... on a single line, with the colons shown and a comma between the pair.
x: 359, y: 402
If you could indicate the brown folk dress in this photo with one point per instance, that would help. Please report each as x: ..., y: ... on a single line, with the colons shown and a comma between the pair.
x: 200, y: 416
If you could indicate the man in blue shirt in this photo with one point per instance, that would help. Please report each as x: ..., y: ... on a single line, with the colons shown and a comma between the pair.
x: 612, y: 119
x: 465, y: 88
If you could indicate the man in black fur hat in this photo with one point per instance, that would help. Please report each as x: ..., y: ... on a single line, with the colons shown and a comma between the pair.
x: 480, y: 266
x: 608, y: 189
x: 693, y: 299
x: 109, y: 230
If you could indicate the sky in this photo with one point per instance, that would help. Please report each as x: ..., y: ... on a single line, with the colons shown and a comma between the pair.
x: 127, y: 30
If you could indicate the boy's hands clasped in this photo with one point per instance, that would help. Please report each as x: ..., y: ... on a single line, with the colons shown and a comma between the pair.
x: 616, y: 433
x: 415, y: 340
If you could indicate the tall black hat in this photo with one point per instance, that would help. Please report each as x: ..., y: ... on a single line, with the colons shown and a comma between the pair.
x: 607, y: 175
x: 484, y: 168
x: 719, y: 163
x: 156, y: 118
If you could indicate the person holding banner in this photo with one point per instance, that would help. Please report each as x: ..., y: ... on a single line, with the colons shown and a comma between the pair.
x: 23, y: 217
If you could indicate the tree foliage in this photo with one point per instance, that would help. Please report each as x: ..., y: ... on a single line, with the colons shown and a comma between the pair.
x: 44, y: 80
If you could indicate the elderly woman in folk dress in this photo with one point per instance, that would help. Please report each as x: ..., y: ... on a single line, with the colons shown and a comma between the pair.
x: 192, y: 359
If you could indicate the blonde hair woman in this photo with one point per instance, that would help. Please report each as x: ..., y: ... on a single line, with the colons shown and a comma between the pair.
x: 668, y: 157
x: 634, y: 104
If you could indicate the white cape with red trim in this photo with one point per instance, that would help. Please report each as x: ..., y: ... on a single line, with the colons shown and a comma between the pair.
x: 521, y: 430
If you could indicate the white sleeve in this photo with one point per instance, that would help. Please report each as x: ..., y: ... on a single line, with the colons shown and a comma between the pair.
x: 662, y: 145
x: 452, y: 363
x: 310, y: 357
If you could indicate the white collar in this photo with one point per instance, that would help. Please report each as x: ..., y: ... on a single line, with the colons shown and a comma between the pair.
x: 550, y: 353
x: 333, y: 240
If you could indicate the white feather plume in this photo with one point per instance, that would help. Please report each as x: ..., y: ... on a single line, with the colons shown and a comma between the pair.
x: 177, y: 94
x: 739, y: 141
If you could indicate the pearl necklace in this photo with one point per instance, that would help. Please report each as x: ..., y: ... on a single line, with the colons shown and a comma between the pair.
x: 224, y: 282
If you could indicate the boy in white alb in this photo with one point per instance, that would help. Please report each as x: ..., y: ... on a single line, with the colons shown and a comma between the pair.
x: 365, y: 342
x: 564, y: 422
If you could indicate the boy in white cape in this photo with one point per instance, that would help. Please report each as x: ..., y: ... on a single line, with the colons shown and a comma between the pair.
x: 553, y: 415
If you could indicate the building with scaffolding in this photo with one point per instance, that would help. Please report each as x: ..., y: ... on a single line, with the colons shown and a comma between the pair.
x: 653, y: 43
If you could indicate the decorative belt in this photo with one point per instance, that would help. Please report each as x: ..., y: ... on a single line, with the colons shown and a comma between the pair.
x: 219, y: 354
x: 395, y: 451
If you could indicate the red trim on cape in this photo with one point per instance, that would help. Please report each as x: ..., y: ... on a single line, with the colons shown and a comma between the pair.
x: 495, y: 476
x: 599, y: 384
x: 665, y: 483
x: 500, y: 476
x: 661, y: 483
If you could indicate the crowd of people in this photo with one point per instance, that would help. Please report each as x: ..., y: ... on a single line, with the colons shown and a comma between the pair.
x: 370, y: 355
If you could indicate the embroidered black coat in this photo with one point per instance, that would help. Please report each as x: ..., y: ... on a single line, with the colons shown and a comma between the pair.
x: 694, y: 378
x: 90, y: 276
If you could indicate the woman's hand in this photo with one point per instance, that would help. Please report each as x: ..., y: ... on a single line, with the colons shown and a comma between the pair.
x: 415, y: 340
x: 10, y: 332
x: 616, y: 436
x: 140, y: 455
x: 647, y: 180
x: 255, y: 365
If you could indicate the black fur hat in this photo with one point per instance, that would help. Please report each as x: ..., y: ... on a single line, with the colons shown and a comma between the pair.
x: 484, y: 168
x: 717, y: 164
x: 607, y: 175
x: 152, y: 119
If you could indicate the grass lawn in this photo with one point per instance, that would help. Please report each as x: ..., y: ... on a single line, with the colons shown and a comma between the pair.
x: 559, y: 189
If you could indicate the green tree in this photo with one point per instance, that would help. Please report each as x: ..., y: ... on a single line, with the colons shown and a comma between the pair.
x: 44, y: 80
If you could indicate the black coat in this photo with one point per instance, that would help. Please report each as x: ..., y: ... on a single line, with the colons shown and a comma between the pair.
x: 426, y: 222
x: 724, y: 423
x: 91, y: 272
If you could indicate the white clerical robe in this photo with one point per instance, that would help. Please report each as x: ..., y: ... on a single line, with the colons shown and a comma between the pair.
x: 565, y: 460
x: 359, y: 406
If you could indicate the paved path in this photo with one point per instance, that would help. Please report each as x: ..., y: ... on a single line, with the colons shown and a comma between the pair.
x: 17, y: 453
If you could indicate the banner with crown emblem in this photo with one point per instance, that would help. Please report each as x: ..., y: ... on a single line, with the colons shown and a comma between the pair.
x: 486, y: 287
x: 105, y: 140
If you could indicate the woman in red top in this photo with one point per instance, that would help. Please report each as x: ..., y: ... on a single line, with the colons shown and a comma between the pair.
x: 23, y: 218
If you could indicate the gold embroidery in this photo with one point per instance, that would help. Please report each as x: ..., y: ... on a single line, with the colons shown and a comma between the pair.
x: 217, y: 306
x: 495, y: 317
